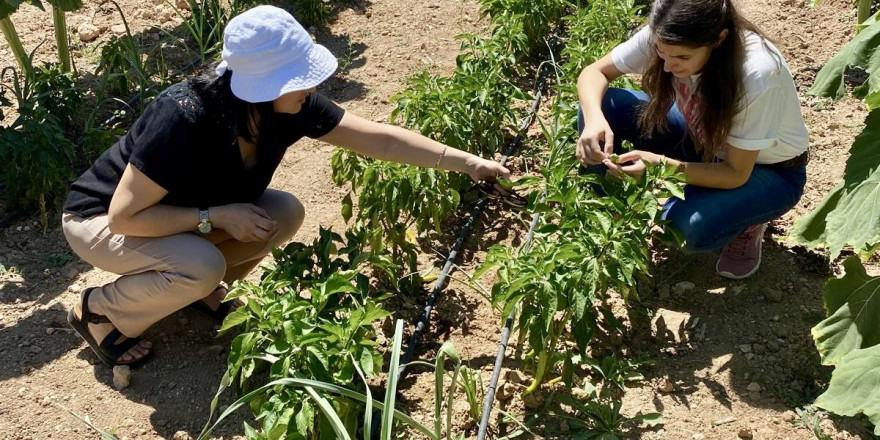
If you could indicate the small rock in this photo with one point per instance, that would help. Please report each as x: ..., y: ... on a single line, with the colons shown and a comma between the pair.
x: 50, y: 331
x: 183, y: 5
x: 87, y: 32
x: 789, y: 416
x: 758, y: 348
x: 34, y: 350
x: 750, y: 356
x: 434, y: 5
x: 698, y: 436
x: 75, y: 288
x: 745, y: 348
x: 744, y: 433
x: 534, y: 400
x: 118, y: 29
x: 121, y: 376
x: 754, y: 386
x: 181, y: 435
x: 773, y: 346
x: 683, y: 286
x: 773, y: 295
x: 667, y: 386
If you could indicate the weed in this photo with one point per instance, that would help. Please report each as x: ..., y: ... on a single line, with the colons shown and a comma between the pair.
x: 811, y: 418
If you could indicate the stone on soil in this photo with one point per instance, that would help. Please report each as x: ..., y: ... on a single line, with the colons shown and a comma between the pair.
x: 683, y: 286
x: 121, y: 376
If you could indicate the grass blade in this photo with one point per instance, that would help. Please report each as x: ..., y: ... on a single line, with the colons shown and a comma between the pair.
x: 391, y: 386
x: 331, y: 414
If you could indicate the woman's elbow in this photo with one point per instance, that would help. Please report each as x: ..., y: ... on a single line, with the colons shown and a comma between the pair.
x: 117, y: 222
x: 737, y: 181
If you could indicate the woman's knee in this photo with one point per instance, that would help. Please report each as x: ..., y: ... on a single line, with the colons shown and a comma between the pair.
x: 286, y: 210
x: 203, y: 271
x: 700, y: 234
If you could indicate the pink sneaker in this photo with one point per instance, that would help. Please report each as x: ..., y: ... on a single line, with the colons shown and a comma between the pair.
x: 742, y: 256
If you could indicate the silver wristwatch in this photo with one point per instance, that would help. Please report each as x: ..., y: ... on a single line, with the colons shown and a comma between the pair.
x: 204, y: 221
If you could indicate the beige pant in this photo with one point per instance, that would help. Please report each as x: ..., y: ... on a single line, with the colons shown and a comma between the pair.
x: 163, y: 274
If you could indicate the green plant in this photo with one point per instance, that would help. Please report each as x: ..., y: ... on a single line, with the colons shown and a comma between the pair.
x: 205, y: 23
x: 311, y: 317
x: 845, y: 217
x: 600, y: 419
x: 472, y: 384
x: 392, y: 199
x: 811, y: 418
x: 850, y: 339
x: 124, y: 67
x: 327, y: 397
x: 59, y: 7
x: 530, y: 21
x: 585, y: 245
x: 35, y: 153
x: 615, y: 373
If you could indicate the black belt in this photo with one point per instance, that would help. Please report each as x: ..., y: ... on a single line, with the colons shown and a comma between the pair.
x: 798, y: 161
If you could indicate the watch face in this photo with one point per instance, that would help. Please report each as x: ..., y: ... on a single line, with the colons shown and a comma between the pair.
x: 205, y: 227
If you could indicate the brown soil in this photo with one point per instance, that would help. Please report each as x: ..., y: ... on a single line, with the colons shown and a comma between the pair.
x: 708, y: 344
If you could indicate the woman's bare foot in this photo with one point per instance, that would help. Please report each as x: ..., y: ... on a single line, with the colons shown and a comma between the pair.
x: 100, y: 331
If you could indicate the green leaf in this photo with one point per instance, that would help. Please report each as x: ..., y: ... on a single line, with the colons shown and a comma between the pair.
x: 366, y: 362
x: 854, y: 385
x: 347, y: 207
x: 305, y: 419
x: 861, y: 52
x: 854, y: 301
x: 233, y: 319
x: 848, y: 214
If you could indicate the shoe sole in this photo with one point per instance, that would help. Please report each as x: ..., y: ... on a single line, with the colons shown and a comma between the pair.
x: 731, y: 276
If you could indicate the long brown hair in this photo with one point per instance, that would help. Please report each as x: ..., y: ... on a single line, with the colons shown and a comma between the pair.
x: 698, y: 23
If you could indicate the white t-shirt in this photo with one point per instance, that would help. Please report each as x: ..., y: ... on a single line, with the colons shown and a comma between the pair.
x: 770, y: 119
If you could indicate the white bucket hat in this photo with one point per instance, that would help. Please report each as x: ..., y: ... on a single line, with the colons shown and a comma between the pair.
x: 270, y: 54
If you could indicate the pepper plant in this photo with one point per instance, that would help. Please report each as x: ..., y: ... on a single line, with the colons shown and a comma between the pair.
x: 392, y: 199
x: 311, y: 316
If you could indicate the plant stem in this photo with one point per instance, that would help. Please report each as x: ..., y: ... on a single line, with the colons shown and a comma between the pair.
x: 15, y: 44
x: 864, y: 11
x: 61, y: 39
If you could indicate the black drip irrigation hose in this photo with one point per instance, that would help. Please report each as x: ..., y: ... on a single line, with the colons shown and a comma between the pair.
x: 489, y: 398
x: 466, y: 230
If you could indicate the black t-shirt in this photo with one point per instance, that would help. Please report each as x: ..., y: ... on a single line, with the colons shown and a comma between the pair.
x: 195, y: 157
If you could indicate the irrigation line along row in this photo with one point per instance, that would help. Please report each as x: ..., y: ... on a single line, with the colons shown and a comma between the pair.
x: 489, y: 398
x: 466, y: 230
x: 463, y: 235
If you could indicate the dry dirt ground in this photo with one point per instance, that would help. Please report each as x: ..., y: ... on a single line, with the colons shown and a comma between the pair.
x: 729, y: 358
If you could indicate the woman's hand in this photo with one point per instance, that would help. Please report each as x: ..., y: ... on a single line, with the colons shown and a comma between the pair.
x: 631, y: 163
x: 589, y: 149
x: 482, y: 169
x: 243, y: 221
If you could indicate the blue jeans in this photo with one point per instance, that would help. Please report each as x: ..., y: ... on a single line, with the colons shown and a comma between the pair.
x: 709, y: 218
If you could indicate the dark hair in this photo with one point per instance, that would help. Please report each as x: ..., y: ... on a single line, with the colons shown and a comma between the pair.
x: 251, y: 121
x: 698, y: 23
